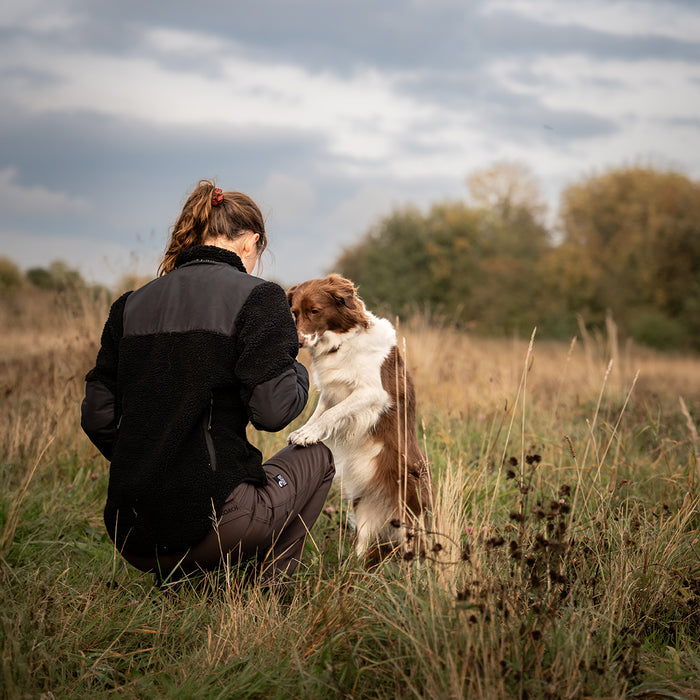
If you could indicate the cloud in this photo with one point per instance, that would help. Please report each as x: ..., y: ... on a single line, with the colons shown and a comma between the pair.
x: 36, y: 16
x: 35, y: 200
x: 622, y: 18
x: 355, y: 215
x: 651, y: 88
x: 327, y: 114
x: 359, y: 116
x: 286, y: 199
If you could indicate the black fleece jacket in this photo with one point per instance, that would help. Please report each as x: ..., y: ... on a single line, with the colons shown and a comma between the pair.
x: 185, y: 363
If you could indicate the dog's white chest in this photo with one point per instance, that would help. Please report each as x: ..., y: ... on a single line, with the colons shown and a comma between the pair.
x: 354, y: 465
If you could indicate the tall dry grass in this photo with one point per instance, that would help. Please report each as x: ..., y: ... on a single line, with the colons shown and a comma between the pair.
x: 563, y: 560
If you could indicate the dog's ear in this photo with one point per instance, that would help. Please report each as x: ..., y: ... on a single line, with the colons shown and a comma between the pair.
x: 290, y: 293
x: 342, y: 290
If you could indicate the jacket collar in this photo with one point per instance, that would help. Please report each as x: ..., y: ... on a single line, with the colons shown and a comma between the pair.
x: 209, y: 253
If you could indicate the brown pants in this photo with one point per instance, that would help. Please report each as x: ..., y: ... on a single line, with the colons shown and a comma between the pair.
x: 269, y: 523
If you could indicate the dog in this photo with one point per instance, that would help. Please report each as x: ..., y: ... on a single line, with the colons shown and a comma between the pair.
x: 365, y: 413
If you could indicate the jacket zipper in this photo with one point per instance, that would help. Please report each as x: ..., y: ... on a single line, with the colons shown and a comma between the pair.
x: 209, y: 439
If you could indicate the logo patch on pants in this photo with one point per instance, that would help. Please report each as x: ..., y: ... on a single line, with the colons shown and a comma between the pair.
x: 280, y: 481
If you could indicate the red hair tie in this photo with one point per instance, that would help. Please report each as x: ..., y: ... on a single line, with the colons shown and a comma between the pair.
x: 217, y: 197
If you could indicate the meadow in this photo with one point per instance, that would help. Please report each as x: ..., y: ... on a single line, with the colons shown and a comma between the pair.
x: 563, y: 560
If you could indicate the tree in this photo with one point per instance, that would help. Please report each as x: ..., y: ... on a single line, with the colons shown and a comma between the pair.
x: 10, y: 276
x: 59, y: 276
x: 386, y: 263
x: 507, y: 187
x: 636, y: 233
x: 40, y: 277
x: 629, y: 243
x: 473, y: 263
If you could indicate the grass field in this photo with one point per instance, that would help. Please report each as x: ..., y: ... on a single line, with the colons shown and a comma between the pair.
x: 565, y: 562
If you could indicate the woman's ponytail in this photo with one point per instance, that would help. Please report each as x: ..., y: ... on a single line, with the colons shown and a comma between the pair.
x: 209, y: 212
x: 192, y: 226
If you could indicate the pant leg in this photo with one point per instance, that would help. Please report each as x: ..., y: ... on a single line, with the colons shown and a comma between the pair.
x: 295, y: 513
x: 268, y: 522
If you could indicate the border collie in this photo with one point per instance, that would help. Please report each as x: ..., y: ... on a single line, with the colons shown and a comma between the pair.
x: 366, y: 412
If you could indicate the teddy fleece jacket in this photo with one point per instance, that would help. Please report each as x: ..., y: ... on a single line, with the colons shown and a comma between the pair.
x: 185, y: 363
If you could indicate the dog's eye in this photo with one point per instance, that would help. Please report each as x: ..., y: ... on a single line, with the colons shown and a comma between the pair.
x: 313, y: 312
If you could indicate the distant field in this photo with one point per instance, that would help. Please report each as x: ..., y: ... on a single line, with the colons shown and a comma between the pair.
x: 565, y: 561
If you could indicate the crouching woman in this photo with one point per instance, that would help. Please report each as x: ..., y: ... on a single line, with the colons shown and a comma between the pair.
x: 185, y: 364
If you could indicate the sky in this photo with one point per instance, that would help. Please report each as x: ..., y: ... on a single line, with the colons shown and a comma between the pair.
x: 329, y: 114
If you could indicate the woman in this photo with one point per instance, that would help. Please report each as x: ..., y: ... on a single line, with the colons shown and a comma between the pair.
x: 185, y: 363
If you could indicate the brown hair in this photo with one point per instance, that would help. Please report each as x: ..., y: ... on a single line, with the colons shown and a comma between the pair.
x: 236, y: 215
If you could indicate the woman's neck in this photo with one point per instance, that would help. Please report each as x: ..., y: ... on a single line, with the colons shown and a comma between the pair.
x: 225, y: 243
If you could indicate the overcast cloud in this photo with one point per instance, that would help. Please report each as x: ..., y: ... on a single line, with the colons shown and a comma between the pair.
x: 330, y: 114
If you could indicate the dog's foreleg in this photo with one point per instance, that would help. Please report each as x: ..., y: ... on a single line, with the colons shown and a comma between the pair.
x: 364, y: 532
x: 353, y: 416
x: 321, y: 407
x: 297, y: 437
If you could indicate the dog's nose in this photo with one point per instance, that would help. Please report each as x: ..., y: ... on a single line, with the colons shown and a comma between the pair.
x: 302, y: 340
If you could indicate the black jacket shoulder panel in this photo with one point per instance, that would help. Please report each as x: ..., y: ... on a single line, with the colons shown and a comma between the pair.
x: 200, y: 295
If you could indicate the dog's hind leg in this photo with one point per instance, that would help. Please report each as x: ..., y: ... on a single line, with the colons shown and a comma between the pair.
x: 372, y: 522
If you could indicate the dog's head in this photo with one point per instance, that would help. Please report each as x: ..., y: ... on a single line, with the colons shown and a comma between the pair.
x: 326, y: 307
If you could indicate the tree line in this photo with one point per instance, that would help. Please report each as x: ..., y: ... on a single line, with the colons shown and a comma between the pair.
x: 625, y: 242
x: 57, y: 277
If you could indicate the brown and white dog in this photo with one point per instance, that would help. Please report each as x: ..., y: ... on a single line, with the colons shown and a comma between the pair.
x: 366, y: 410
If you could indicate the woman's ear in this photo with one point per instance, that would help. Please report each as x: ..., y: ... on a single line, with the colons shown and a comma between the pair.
x: 249, y: 244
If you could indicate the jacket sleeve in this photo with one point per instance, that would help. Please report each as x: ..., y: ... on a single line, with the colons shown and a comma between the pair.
x: 99, y: 413
x: 275, y: 386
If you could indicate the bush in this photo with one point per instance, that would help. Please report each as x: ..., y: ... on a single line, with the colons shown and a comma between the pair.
x: 58, y: 277
x: 10, y: 275
x: 657, y: 330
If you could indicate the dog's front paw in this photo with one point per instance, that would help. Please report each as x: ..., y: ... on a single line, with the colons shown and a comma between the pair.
x: 306, y: 435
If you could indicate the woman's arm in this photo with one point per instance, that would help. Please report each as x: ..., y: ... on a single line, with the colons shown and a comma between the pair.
x: 275, y: 385
x: 99, y: 408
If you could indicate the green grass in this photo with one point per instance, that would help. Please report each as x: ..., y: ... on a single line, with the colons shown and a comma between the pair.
x: 564, y: 563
